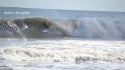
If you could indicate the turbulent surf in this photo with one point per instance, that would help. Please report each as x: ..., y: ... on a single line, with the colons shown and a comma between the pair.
x: 62, y: 40
x: 87, y: 27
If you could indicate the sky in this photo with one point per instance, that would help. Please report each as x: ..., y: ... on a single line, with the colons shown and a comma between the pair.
x: 90, y: 5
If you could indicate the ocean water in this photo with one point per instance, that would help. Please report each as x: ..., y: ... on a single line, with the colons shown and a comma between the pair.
x: 56, y: 13
x: 71, y: 23
x: 61, y: 40
x: 61, y: 54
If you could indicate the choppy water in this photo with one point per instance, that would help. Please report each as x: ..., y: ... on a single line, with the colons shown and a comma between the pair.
x: 62, y: 54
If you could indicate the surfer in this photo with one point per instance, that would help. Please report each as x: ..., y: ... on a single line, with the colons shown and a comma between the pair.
x: 46, y: 27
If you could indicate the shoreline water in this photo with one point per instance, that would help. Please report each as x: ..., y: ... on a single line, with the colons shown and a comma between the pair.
x: 61, y: 54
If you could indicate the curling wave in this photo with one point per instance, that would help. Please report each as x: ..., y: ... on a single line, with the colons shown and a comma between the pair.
x: 87, y: 27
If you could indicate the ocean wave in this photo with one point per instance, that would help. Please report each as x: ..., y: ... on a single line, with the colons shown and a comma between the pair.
x: 87, y: 27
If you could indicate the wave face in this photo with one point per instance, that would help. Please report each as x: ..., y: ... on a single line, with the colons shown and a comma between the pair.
x: 87, y: 27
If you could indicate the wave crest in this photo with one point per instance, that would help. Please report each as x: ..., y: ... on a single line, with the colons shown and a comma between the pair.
x: 88, y: 27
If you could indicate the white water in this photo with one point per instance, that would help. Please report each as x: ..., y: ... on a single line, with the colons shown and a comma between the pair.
x: 87, y: 27
x: 62, y: 54
x: 100, y: 46
x: 91, y: 27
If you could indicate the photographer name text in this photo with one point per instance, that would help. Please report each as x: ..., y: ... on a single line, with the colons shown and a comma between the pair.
x: 16, y: 13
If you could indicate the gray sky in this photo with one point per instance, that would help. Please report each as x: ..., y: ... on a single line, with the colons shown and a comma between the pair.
x: 92, y: 5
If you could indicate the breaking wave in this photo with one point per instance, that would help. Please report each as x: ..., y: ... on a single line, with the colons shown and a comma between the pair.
x: 65, y: 51
x: 87, y: 27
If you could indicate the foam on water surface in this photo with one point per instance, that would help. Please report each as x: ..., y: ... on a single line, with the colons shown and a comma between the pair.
x: 48, y: 53
x: 40, y: 66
